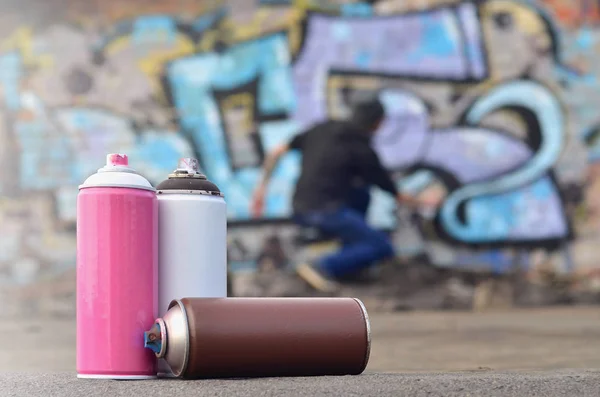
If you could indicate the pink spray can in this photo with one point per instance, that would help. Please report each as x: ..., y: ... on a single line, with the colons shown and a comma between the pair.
x: 117, y: 272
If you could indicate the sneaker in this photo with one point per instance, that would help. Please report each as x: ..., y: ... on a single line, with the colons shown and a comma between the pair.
x: 316, y: 278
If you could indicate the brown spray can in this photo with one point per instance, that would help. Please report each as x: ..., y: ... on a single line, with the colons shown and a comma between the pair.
x: 260, y: 337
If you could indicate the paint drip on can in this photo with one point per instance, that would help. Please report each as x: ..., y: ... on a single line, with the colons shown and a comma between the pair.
x: 192, y: 239
x: 260, y: 337
x: 117, y: 258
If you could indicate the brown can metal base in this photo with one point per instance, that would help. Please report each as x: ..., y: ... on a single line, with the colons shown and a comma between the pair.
x: 263, y: 337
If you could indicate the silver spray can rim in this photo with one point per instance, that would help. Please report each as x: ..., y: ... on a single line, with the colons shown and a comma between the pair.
x: 169, y: 338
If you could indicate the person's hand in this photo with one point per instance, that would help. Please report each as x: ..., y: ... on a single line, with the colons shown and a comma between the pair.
x: 410, y: 201
x: 417, y: 203
x: 258, y: 202
x: 430, y: 202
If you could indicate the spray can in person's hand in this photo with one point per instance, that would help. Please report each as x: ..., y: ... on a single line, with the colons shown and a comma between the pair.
x: 117, y: 258
x: 192, y: 239
x: 252, y: 337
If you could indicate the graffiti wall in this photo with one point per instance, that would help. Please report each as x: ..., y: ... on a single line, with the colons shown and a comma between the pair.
x: 491, y: 107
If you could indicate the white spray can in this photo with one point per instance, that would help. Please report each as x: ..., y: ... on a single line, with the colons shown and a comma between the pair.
x: 192, y: 230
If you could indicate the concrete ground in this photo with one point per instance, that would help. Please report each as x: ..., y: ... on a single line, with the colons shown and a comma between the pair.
x: 504, y: 384
x: 423, y: 349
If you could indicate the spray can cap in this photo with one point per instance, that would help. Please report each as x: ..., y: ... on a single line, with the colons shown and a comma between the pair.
x: 187, y: 178
x: 117, y: 173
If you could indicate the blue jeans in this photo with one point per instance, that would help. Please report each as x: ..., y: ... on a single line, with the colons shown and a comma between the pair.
x: 361, y: 244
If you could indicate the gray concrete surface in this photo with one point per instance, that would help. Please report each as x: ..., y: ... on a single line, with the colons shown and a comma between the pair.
x: 506, y: 384
x: 502, y: 353
x: 525, y: 339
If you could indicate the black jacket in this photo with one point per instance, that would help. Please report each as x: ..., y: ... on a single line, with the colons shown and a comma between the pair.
x: 335, y: 154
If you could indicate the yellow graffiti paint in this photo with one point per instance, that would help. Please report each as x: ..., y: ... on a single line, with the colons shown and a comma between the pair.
x: 22, y: 40
x: 526, y: 20
x: 117, y: 45
x: 305, y: 4
x: 336, y: 83
x: 153, y: 64
x: 295, y: 32
x: 314, y: 5
x: 154, y: 61
x: 244, y: 102
x: 208, y: 41
x: 264, y: 21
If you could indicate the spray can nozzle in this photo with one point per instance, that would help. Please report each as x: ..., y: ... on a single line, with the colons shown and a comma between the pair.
x: 153, y: 339
x: 116, y: 159
x: 188, y: 167
x: 116, y: 162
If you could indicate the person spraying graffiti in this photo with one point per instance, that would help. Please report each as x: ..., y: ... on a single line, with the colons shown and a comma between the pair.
x: 338, y: 167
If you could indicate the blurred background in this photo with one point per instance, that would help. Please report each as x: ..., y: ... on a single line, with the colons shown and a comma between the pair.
x: 492, y: 107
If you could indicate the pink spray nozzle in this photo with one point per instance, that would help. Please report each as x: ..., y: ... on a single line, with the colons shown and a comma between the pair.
x: 115, y: 159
